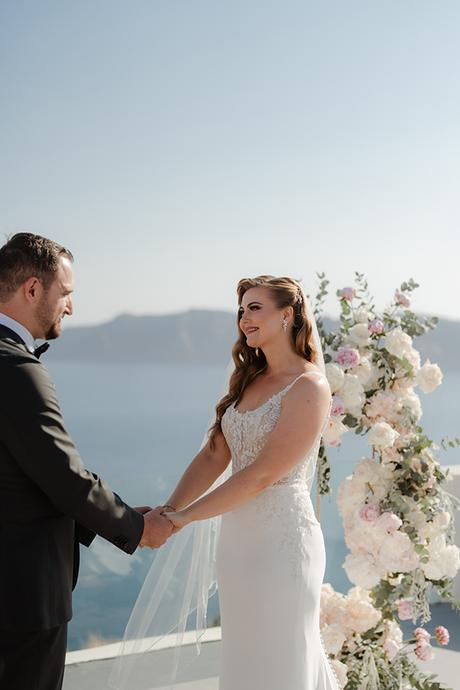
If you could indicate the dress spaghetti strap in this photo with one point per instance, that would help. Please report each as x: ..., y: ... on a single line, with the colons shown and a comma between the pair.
x: 289, y: 386
x: 285, y: 390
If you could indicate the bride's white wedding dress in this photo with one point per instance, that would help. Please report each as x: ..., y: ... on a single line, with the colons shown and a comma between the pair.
x: 270, y: 564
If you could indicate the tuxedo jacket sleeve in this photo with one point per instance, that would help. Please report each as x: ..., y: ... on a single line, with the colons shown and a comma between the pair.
x: 35, y: 436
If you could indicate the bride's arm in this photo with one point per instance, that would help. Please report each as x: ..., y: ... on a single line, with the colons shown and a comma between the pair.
x: 201, y: 473
x: 302, y: 415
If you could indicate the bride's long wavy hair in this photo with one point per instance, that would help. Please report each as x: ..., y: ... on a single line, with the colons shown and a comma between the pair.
x: 250, y: 362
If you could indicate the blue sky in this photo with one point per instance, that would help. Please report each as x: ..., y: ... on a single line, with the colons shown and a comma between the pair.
x: 177, y: 146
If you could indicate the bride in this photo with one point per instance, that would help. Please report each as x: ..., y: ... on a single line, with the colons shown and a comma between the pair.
x: 270, y: 555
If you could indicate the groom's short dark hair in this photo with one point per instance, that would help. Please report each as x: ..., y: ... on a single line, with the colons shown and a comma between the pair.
x: 26, y: 255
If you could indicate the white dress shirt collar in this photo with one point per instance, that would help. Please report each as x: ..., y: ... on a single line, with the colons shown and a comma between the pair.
x: 19, y: 329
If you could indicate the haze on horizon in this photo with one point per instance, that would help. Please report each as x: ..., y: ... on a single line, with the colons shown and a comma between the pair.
x: 177, y: 147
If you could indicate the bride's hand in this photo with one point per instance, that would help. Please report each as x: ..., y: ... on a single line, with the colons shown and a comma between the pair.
x: 178, y: 519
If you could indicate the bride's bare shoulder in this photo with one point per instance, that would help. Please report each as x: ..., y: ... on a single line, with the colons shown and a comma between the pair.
x: 315, y: 370
x: 312, y: 386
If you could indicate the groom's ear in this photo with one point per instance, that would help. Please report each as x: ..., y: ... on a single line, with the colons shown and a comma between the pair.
x: 32, y: 290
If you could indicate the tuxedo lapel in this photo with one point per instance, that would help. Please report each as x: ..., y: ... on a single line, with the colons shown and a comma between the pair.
x: 9, y: 335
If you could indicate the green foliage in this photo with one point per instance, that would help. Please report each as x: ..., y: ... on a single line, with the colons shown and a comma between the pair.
x: 323, y: 472
x: 450, y: 442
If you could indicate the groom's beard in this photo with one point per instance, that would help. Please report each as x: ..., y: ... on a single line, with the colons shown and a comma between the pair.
x: 49, y: 321
x: 54, y: 331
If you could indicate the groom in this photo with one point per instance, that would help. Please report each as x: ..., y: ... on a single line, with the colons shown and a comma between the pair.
x: 49, y: 502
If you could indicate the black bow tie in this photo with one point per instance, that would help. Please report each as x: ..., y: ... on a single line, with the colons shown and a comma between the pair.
x: 41, y: 349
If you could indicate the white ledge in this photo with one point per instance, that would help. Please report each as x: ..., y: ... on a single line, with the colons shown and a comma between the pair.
x: 154, y: 644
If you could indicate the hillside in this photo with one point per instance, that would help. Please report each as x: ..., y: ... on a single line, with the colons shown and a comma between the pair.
x: 200, y: 337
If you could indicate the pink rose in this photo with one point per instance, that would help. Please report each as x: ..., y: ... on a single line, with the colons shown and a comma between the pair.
x: 424, y: 651
x: 376, y: 326
x: 401, y: 298
x: 442, y: 634
x: 389, y: 522
x: 422, y: 635
x: 369, y: 512
x: 348, y: 357
x: 405, y: 609
x: 348, y: 293
x: 338, y: 406
x: 390, y: 648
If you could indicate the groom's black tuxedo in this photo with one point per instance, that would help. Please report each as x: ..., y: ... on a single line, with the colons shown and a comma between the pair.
x: 49, y: 503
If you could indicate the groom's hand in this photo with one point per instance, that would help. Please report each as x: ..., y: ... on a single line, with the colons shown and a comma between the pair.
x: 157, y: 529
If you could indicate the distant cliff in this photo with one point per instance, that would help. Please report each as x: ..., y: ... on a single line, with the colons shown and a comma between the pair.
x: 201, y: 337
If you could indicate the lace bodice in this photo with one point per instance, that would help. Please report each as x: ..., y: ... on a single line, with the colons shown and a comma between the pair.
x: 247, y: 432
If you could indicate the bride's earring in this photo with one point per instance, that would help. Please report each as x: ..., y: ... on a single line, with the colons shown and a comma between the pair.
x: 257, y: 351
x: 285, y: 324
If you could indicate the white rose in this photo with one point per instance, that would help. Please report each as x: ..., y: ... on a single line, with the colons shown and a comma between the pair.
x: 393, y: 631
x: 388, y: 522
x: 364, y: 371
x: 359, y: 594
x: 340, y: 671
x: 377, y: 373
x: 333, y: 606
x: 362, y: 537
x: 415, y: 515
x: 380, y: 489
x: 359, y: 335
x: 442, y: 520
x: 333, y: 638
x: 372, y: 472
x: 413, y: 357
x: 362, y: 616
x: 411, y: 402
x: 390, y: 455
x: 362, y: 315
x: 327, y: 590
x: 402, y: 383
x: 382, y: 435
x: 397, y: 554
x: 352, y: 394
x: 431, y: 530
x: 384, y: 406
x: 332, y: 434
x: 393, y: 640
x: 351, y: 494
x: 451, y: 558
x: 444, y: 560
x: 429, y: 377
x: 391, y: 649
x: 335, y: 376
x: 363, y: 570
x: 366, y: 470
x: 398, y: 343
x: 436, y: 527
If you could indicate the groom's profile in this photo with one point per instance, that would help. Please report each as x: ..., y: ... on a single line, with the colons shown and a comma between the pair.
x: 49, y: 502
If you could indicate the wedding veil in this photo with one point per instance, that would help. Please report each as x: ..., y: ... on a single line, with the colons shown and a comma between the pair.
x: 179, y: 583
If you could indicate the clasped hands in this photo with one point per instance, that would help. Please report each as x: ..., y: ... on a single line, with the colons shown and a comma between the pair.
x: 159, y: 525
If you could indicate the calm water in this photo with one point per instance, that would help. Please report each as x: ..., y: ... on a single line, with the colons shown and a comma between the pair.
x: 138, y: 427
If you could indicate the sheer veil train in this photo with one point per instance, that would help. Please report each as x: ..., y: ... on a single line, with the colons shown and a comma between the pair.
x: 179, y: 583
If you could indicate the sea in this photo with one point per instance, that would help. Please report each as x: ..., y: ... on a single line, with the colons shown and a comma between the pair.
x: 138, y: 426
